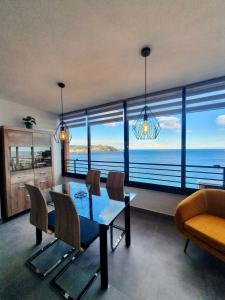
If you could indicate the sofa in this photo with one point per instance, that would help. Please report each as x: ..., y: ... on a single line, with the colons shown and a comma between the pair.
x: 201, y: 219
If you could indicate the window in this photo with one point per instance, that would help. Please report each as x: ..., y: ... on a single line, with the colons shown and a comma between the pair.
x: 107, y: 141
x: 205, y: 135
x: 157, y: 161
x: 77, y: 152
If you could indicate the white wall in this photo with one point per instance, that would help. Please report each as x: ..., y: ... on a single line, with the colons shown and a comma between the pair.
x: 160, y: 202
x: 11, y: 114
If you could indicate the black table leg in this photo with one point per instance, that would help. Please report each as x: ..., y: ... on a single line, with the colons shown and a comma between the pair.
x: 104, y: 256
x: 127, y: 221
x: 38, y: 236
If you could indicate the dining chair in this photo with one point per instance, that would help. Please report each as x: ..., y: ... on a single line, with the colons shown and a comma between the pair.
x: 93, y: 177
x: 43, y: 221
x: 115, y: 180
x: 115, y: 185
x: 76, y: 231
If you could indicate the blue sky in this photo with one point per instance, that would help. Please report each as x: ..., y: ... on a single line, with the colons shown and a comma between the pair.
x: 204, y: 130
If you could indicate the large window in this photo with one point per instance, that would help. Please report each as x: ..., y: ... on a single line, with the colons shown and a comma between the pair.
x: 157, y: 161
x: 186, y: 154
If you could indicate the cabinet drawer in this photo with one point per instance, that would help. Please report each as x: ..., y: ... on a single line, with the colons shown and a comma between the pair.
x: 43, y: 182
x: 21, y: 177
x: 43, y: 172
x: 43, y: 177
x: 19, y: 197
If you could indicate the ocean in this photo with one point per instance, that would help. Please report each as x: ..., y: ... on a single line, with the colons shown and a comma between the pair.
x: 144, y: 165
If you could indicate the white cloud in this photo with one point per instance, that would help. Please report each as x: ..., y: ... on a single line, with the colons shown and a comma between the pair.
x: 113, y: 124
x: 169, y: 122
x: 220, y: 120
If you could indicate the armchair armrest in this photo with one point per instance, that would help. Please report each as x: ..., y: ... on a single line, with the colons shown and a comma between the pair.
x: 193, y: 205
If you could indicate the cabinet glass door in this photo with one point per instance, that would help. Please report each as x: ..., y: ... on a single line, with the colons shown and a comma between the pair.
x: 20, y: 158
x: 42, y: 157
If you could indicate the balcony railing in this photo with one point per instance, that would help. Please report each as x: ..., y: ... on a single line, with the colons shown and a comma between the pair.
x: 154, y: 173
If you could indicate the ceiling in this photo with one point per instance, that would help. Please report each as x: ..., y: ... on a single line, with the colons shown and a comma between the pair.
x: 94, y: 47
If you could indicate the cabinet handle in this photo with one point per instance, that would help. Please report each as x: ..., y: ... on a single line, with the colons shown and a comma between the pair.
x: 42, y: 173
x: 22, y: 187
x: 43, y: 181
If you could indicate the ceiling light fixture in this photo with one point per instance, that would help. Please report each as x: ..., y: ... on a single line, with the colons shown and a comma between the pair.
x: 62, y: 133
x: 146, y: 127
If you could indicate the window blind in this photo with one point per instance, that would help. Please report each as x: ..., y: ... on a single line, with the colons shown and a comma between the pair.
x: 206, y: 96
x: 160, y: 104
x: 107, y: 114
x: 76, y: 119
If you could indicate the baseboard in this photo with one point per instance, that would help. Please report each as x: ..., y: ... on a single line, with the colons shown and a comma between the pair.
x: 151, y: 212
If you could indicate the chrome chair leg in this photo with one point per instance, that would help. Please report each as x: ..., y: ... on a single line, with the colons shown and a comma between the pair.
x: 114, y: 246
x: 61, y: 290
x: 33, y: 268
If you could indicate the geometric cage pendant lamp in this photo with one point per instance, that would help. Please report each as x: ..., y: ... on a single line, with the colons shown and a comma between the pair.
x: 62, y: 133
x: 146, y: 127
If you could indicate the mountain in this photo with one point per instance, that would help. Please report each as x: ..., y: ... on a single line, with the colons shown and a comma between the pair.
x: 94, y: 148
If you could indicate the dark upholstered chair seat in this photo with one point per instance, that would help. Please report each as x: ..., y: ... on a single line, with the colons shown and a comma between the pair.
x: 89, y: 230
x: 51, y: 220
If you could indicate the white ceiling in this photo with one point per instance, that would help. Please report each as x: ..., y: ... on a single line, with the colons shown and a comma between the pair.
x: 93, y: 46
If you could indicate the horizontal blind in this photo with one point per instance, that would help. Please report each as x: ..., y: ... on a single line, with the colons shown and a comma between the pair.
x: 206, y: 96
x: 75, y: 119
x: 106, y: 114
x: 160, y: 104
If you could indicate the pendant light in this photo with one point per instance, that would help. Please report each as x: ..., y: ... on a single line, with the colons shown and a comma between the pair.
x: 146, y: 127
x: 62, y: 133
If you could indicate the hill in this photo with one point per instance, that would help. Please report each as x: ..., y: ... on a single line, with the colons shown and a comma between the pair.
x: 94, y: 148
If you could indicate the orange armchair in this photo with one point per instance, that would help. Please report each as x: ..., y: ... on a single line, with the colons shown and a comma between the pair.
x: 201, y: 218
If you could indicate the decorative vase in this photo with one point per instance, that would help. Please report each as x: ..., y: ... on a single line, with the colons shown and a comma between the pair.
x: 29, y: 125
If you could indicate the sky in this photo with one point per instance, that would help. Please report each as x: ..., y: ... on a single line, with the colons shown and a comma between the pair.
x: 205, y: 130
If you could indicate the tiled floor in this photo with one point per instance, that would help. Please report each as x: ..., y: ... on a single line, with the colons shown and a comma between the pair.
x: 154, y: 267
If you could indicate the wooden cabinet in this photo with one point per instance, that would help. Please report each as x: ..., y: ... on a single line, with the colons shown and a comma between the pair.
x: 26, y: 158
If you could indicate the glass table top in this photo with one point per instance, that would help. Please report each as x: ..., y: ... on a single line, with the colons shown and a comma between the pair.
x: 101, y: 205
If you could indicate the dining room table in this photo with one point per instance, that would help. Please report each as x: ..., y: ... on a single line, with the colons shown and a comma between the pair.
x: 101, y: 205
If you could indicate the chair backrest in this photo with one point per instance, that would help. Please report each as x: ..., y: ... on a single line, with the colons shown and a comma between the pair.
x: 93, y: 177
x: 116, y: 194
x: 94, y: 190
x: 215, y: 202
x: 39, y: 211
x: 115, y: 180
x: 67, y: 222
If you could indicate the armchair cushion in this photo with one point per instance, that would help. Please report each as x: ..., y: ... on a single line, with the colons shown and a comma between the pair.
x: 208, y: 228
x: 192, y: 206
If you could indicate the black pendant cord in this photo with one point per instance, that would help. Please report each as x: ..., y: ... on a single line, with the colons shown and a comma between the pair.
x: 145, y: 86
x: 62, y: 107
